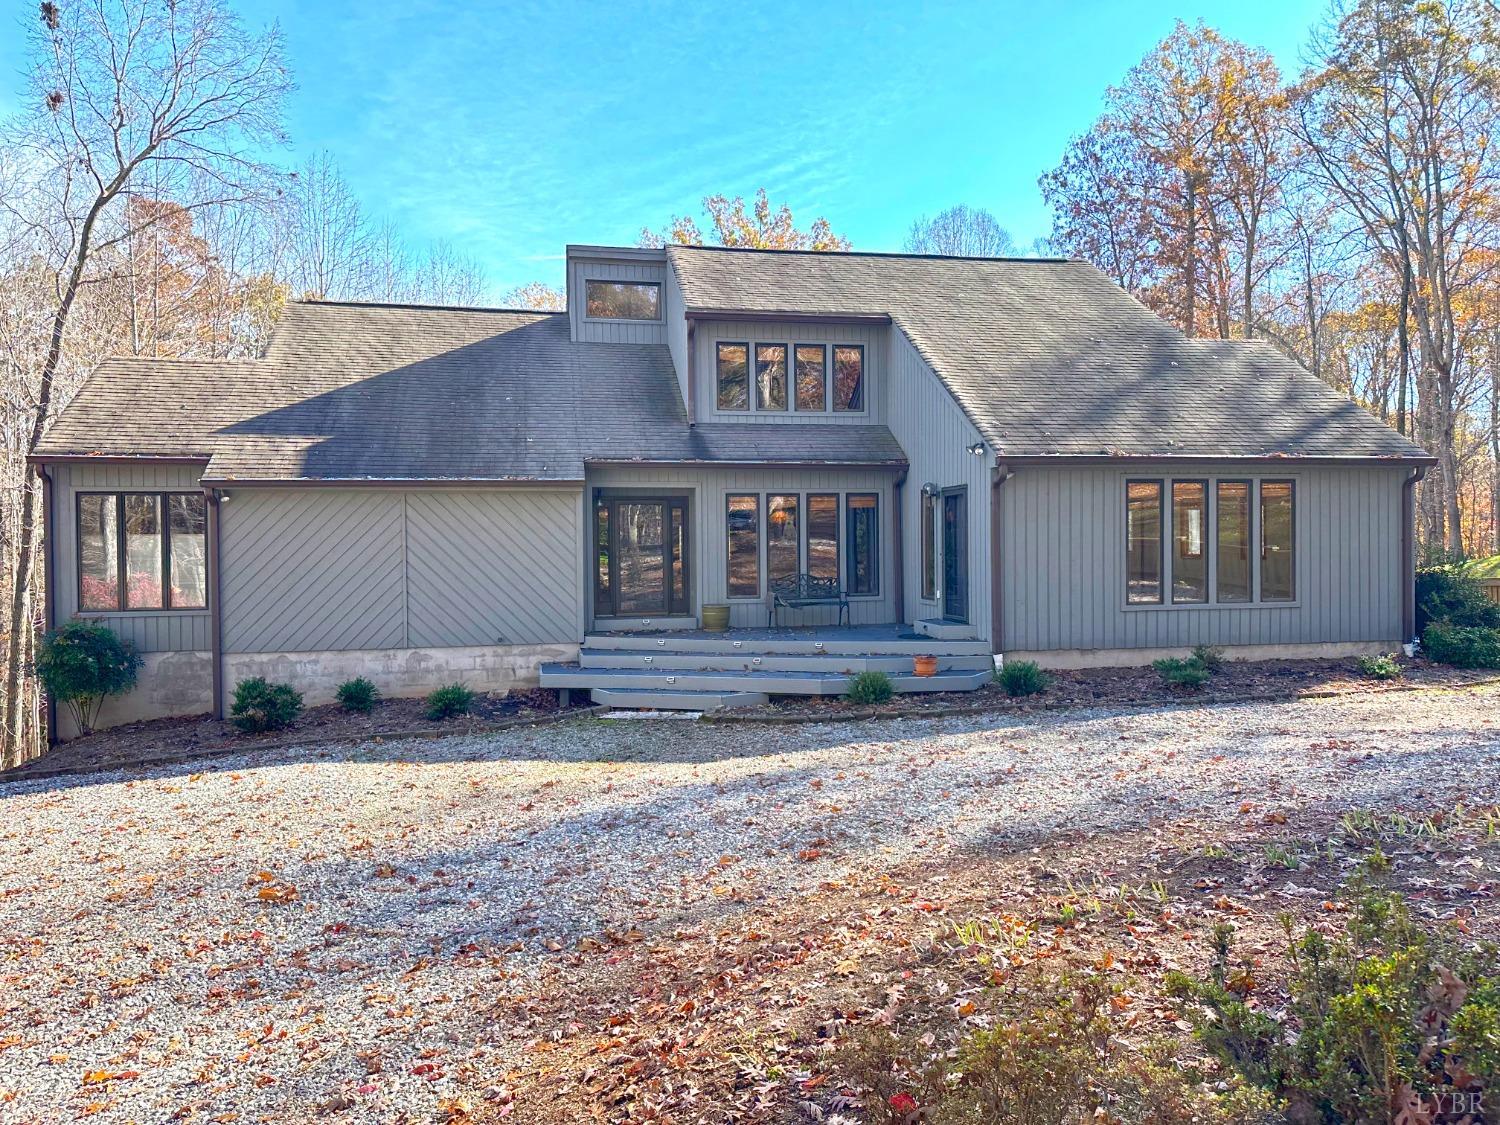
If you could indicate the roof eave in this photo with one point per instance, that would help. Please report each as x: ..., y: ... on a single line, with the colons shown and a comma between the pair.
x: 1372, y: 459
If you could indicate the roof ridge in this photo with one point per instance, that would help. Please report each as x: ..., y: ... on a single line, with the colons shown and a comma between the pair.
x: 879, y: 254
x: 424, y: 307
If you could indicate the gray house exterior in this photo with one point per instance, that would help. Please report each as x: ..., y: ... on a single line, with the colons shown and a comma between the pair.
x: 1005, y: 457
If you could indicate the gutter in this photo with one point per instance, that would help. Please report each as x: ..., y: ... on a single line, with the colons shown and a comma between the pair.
x: 49, y: 568
x: 1285, y: 459
x: 786, y: 316
x: 212, y: 499
x: 1000, y: 475
x: 1409, y: 553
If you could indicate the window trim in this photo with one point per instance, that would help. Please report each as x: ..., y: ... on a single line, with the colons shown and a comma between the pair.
x: 792, y: 378
x: 1255, y: 601
x: 760, y: 546
x: 875, y: 566
x: 754, y: 342
x: 786, y: 379
x: 927, y: 531
x: 1251, y: 531
x: 1206, y: 550
x: 1163, y: 514
x: 1260, y: 540
x: 864, y: 380
x: 719, y: 346
x: 121, y: 575
x: 659, y: 318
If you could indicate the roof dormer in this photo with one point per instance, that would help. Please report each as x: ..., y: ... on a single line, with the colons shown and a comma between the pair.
x: 617, y: 294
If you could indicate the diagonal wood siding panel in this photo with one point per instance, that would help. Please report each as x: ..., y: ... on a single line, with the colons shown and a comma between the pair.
x: 311, y: 570
x: 489, y: 568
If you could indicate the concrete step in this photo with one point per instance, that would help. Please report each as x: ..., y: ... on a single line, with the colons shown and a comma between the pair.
x: 751, y: 642
x: 770, y: 683
x: 652, y: 700
x: 940, y: 630
x: 670, y: 660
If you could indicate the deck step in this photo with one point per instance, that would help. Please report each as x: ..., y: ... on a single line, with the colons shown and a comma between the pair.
x: 673, y: 661
x: 762, y: 643
x: 647, y: 699
x: 940, y: 630
x: 573, y: 676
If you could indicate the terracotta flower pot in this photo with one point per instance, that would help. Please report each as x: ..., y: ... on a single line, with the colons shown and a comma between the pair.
x: 715, y: 618
x: 925, y: 665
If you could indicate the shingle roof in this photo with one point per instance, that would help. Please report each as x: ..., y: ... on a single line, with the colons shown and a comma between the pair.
x: 1050, y: 357
x: 362, y: 391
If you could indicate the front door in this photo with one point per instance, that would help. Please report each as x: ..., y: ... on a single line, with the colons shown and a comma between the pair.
x: 642, y: 566
x: 956, y: 556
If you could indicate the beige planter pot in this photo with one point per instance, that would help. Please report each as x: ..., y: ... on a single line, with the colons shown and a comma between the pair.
x: 715, y: 618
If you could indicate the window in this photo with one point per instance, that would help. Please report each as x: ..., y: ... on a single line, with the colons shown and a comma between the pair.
x: 734, y: 388
x: 1189, y: 541
x: 142, y: 550
x: 849, y: 377
x: 770, y: 376
x: 1233, y: 547
x: 622, y: 300
x: 1277, y: 541
x: 929, y: 547
x: 823, y: 535
x: 812, y: 377
x: 744, y: 546
x: 604, y: 597
x: 862, y: 572
x: 1143, y: 528
x: 783, y: 537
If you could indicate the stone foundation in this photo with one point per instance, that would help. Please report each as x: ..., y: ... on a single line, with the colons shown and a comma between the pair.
x: 1063, y: 659
x: 181, y: 683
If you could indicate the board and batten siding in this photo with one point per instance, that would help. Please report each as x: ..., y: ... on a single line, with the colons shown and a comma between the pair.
x: 179, y: 630
x: 707, y: 489
x: 708, y: 333
x: 935, y: 433
x: 614, y: 331
x: 675, y: 308
x: 1063, y: 562
x: 316, y: 570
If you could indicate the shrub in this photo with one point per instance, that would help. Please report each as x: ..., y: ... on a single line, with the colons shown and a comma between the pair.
x: 1378, y: 1016
x: 358, y: 695
x: 82, y: 664
x: 261, y: 706
x: 1187, y: 674
x: 1462, y: 647
x: 1210, y: 657
x: 870, y: 687
x: 1022, y: 677
x: 1382, y: 667
x: 449, y: 701
x: 1449, y: 595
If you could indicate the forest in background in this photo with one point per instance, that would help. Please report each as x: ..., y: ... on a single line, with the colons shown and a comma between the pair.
x: 1348, y: 215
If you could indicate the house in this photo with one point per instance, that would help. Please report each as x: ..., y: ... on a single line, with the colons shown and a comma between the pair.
x: 979, y: 456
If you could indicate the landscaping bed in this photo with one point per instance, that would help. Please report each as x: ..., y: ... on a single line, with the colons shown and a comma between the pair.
x: 159, y: 739
x: 1094, y: 687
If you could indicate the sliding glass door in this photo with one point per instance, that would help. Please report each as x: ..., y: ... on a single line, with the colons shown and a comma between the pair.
x: 642, y: 556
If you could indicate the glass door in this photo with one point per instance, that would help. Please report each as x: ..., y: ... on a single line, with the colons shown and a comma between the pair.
x: 642, y: 568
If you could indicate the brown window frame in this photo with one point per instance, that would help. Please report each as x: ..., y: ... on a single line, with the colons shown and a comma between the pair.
x: 719, y: 347
x: 864, y: 380
x: 1260, y: 537
x: 122, y: 576
x: 795, y: 398
x: 1203, y: 552
x: 729, y: 499
x: 1161, y: 536
x: 850, y: 570
x: 655, y: 286
x: 1248, y: 483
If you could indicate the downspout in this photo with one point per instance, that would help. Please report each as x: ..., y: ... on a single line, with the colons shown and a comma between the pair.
x: 1409, y: 553
x: 1000, y: 474
x: 215, y: 609
x: 49, y: 570
x: 692, y: 372
x: 898, y: 570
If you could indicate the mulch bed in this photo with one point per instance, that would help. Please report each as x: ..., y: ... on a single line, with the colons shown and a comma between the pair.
x: 1113, y: 687
x: 158, y: 740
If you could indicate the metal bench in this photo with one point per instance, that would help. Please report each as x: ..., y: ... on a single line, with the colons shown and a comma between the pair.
x: 799, y: 591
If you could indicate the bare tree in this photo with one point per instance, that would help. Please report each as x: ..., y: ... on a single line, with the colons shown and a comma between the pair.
x: 962, y: 231
x: 122, y: 91
x: 330, y: 249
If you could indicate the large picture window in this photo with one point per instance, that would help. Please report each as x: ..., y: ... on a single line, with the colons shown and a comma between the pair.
x: 733, y: 367
x: 783, y: 537
x: 1277, y: 541
x: 622, y: 300
x: 1189, y: 541
x: 770, y: 376
x: 1233, y: 547
x: 744, y: 546
x: 142, y: 550
x: 1143, y: 563
x: 823, y: 535
x: 862, y: 573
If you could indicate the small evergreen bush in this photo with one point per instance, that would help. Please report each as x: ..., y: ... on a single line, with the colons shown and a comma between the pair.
x: 870, y: 687
x: 1382, y: 667
x: 1022, y: 677
x: 1210, y: 657
x: 1448, y: 595
x: 1461, y: 646
x: 449, y: 701
x: 261, y: 706
x: 1189, y: 674
x: 358, y: 695
x: 83, y: 663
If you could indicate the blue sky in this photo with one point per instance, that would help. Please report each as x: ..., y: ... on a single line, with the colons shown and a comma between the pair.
x: 512, y: 129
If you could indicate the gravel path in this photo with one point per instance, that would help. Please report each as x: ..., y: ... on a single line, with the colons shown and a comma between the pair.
x: 321, y: 930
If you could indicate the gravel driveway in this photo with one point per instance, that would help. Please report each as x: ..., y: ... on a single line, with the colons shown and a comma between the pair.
x: 323, y: 930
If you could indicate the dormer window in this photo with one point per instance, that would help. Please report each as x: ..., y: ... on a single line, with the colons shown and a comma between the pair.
x: 622, y: 300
